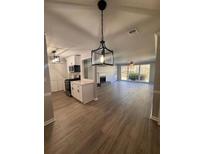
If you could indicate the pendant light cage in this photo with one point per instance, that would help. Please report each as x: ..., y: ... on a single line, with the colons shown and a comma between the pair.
x: 102, y: 55
x: 54, y: 58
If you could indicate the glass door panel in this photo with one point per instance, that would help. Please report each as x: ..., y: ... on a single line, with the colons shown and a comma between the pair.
x: 124, y: 72
x: 145, y: 72
x: 133, y: 73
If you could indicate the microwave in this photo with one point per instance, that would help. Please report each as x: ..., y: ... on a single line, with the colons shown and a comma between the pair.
x: 74, y: 68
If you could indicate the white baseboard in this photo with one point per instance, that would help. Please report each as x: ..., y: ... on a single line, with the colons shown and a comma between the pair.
x: 49, y: 121
x: 95, y: 99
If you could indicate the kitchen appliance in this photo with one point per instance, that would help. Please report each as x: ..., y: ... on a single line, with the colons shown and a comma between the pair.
x: 74, y: 68
x: 68, y: 85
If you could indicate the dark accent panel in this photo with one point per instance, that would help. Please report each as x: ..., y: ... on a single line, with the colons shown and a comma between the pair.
x: 102, y: 79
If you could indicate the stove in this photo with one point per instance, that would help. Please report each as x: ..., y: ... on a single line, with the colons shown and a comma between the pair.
x: 68, y: 85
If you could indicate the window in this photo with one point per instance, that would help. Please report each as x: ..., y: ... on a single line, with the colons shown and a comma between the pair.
x: 135, y: 72
x: 124, y: 72
x: 144, y: 72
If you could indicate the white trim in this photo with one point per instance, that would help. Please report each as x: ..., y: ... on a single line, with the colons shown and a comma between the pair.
x: 47, y: 94
x: 155, y: 118
x: 151, y: 110
x: 49, y: 121
x: 95, y: 99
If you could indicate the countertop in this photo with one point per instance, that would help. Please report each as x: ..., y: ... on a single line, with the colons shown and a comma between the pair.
x: 83, y: 82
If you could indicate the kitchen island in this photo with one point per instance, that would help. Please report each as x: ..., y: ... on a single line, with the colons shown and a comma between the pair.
x: 83, y: 90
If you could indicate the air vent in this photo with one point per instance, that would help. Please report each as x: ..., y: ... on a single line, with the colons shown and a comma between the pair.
x: 133, y: 31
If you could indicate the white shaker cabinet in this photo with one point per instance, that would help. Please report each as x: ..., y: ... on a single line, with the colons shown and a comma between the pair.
x: 83, y: 90
x: 73, y: 60
x: 58, y: 74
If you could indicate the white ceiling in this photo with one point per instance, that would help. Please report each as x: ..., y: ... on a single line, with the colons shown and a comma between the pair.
x: 74, y: 27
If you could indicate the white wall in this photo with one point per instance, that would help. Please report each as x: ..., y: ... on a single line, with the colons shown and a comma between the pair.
x: 58, y: 74
x: 109, y: 71
x: 48, y: 108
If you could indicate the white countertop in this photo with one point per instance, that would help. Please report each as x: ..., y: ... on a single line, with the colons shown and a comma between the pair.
x: 83, y: 82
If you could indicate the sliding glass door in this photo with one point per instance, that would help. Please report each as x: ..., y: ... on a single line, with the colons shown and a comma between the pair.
x: 124, y: 72
x: 135, y: 72
x: 144, y: 72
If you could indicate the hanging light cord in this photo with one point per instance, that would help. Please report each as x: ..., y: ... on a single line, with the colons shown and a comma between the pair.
x: 102, y: 25
x: 102, y: 55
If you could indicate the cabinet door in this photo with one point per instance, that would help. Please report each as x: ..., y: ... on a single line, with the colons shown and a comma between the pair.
x: 67, y: 64
x: 54, y: 86
x: 71, y: 60
x: 76, y: 91
x: 80, y: 93
x: 60, y: 85
x: 88, y: 93
x: 68, y: 61
x: 77, y: 60
x: 72, y: 90
x: 52, y: 72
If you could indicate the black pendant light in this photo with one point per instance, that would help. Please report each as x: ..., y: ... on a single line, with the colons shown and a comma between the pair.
x: 102, y: 55
x: 54, y: 58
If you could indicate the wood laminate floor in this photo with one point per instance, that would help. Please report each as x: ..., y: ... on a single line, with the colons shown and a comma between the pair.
x: 118, y: 123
